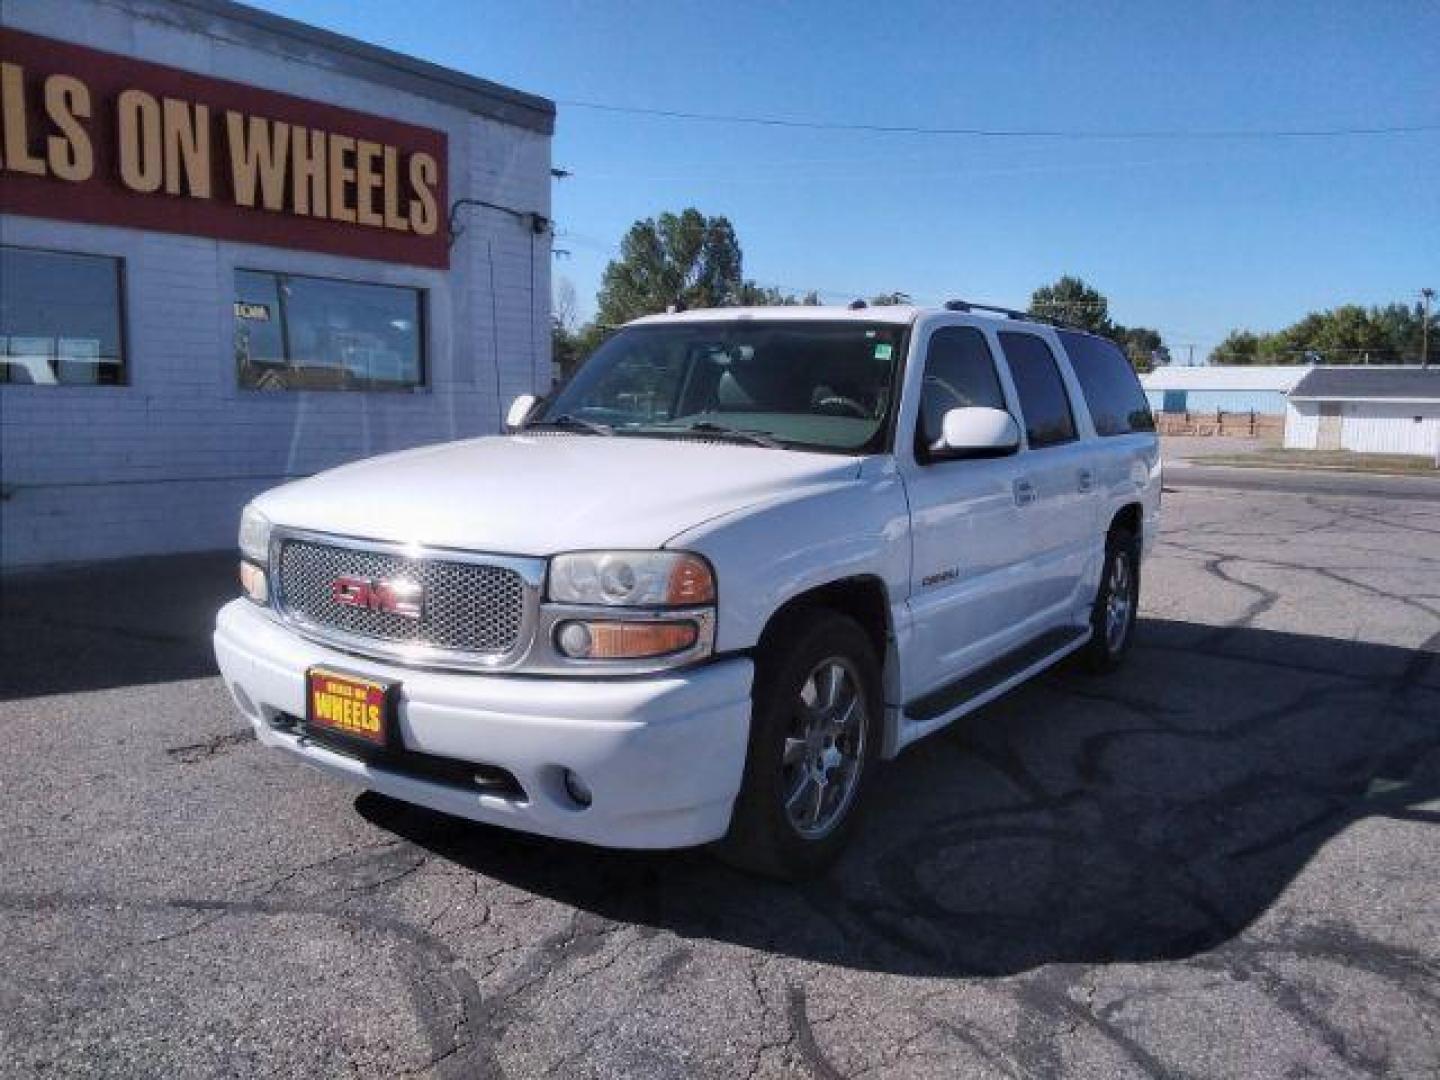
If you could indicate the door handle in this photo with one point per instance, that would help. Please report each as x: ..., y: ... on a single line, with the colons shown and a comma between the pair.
x: 1087, y: 480
x: 1024, y: 492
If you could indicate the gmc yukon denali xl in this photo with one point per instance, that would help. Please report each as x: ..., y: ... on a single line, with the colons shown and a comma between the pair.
x: 703, y: 589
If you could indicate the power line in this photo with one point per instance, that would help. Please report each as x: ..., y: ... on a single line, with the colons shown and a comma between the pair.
x: 1006, y: 133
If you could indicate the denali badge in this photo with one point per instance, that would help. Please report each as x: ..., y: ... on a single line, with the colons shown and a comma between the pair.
x: 398, y: 596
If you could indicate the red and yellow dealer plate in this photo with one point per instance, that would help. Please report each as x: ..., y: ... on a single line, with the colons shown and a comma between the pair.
x: 350, y: 706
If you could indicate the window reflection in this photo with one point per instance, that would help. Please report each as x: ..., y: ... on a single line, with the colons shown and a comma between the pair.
x: 305, y: 333
x: 60, y: 321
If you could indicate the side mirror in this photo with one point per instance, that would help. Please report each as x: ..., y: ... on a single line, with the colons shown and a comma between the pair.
x: 977, y: 432
x: 520, y: 410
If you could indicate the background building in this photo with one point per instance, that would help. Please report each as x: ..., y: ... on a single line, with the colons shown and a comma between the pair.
x: 226, y: 261
x: 1230, y: 389
x: 1376, y: 410
x: 1220, y: 400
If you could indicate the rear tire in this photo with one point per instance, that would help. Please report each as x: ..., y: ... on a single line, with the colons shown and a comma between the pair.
x: 1112, y: 619
x: 815, y: 727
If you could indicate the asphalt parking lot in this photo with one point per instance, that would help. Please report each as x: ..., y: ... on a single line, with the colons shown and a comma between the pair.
x: 1220, y: 862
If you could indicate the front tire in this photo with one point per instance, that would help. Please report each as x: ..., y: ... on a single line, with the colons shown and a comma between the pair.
x: 1112, y: 619
x: 814, y: 741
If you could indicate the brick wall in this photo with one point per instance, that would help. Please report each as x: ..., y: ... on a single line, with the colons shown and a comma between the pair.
x: 165, y: 463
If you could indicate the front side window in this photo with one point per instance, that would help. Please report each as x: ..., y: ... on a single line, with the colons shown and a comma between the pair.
x: 1112, y: 390
x: 306, y: 333
x: 807, y: 384
x: 60, y: 321
x: 959, y: 373
x: 1043, y: 401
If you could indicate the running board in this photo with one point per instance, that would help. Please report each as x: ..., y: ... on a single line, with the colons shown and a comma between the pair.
x: 934, y: 710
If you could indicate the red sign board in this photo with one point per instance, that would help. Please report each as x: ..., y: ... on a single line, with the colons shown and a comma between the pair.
x: 95, y: 137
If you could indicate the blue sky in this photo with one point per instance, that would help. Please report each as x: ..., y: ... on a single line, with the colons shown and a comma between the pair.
x: 1191, y: 236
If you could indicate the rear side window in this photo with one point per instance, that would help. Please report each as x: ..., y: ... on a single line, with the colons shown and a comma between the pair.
x: 959, y: 372
x: 1112, y: 390
x: 1043, y: 401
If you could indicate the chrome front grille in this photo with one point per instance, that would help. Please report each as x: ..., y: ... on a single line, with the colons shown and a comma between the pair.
x: 469, y: 606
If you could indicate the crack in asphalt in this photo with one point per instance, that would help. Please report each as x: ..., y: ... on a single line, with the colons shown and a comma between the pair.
x: 217, y: 744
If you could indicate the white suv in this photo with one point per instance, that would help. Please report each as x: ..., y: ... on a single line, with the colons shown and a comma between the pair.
x: 703, y: 589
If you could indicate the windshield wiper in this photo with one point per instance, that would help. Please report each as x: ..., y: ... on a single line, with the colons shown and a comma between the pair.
x: 756, y: 438
x: 570, y: 422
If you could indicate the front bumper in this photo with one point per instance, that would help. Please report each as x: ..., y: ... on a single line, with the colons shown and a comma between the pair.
x: 662, y: 755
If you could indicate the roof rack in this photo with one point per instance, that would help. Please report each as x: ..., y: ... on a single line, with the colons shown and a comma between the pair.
x: 1009, y: 313
x: 966, y: 305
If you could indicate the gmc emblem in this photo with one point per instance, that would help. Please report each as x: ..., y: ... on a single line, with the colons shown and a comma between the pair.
x: 397, y: 596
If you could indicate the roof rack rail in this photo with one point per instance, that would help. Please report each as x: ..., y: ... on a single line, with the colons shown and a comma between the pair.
x: 966, y: 305
x: 1009, y: 313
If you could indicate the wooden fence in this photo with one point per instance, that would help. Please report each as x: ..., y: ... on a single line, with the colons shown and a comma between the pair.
x: 1243, y: 424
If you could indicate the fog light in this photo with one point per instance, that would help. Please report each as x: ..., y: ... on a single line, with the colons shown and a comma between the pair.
x: 252, y: 580
x: 574, y: 639
x: 577, y: 789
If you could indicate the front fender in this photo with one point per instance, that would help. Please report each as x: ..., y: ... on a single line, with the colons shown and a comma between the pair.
x: 766, y: 555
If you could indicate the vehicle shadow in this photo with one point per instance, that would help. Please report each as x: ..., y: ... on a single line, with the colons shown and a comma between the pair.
x: 98, y: 626
x: 1148, y: 815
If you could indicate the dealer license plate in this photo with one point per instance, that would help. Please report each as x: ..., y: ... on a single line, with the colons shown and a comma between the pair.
x: 349, y: 706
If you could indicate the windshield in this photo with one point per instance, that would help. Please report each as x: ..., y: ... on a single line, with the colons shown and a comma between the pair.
x: 806, y: 384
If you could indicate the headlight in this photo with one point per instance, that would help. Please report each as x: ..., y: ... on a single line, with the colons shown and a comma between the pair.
x: 254, y: 535
x: 632, y: 579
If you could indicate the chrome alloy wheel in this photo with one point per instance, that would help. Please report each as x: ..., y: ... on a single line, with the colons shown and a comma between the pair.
x: 1118, y: 602
x: 824, y: 748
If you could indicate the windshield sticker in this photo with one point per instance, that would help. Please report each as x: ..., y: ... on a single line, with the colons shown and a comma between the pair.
x: 882, y: 352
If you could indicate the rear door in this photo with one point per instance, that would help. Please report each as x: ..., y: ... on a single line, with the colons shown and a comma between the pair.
x: 1126, y: 451
x: 1055, y: 485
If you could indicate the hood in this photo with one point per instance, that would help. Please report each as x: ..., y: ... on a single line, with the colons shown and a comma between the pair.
x: 541, y: 494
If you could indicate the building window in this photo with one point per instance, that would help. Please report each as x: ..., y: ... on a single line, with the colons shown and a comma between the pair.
x: 60, y: 321
x: 306, y: 333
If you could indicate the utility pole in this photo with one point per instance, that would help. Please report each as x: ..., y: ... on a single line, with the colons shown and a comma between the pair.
x: 1426, y: 295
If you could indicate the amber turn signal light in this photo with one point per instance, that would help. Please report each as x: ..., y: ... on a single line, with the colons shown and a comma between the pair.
x: 252, y: 580
x: 691, y: 582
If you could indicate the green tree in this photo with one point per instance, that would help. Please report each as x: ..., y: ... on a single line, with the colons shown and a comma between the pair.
x: 1142, y: 345
x: 1071, y: 300
x: 571, y: 348
x: 1241, y: 347
x: 755, y: 295
x: 685, y: 259
x: 1342, y: 335
x: 1403, y: 327
x: 1348, y: 334
x: 564, y: 348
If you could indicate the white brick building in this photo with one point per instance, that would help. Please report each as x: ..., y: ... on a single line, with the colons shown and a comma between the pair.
x: 229, y: 364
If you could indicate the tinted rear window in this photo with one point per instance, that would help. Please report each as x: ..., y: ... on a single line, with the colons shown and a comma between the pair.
x: 1112, y: 390
x: 1048, y: 420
